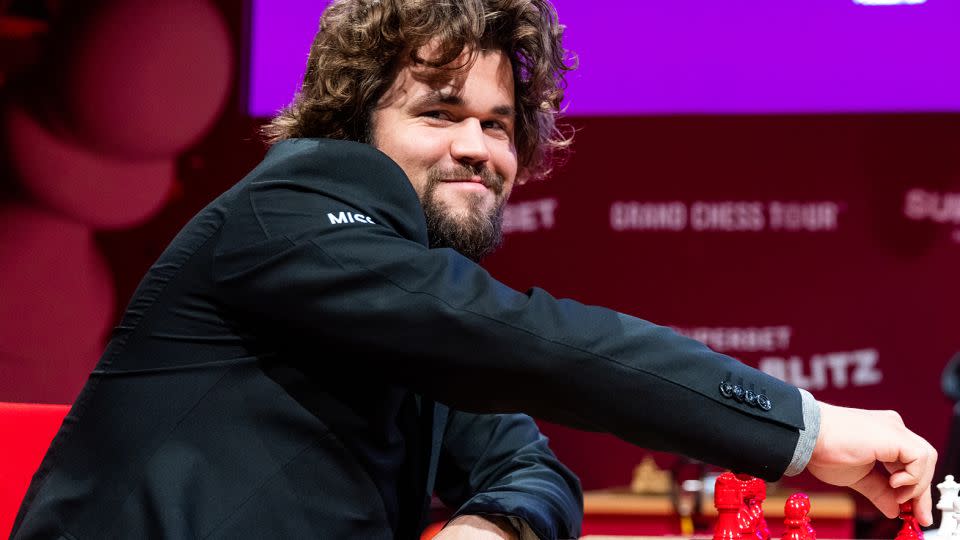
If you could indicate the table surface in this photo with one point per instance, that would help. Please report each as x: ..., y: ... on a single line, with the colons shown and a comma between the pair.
x: 824, y: 505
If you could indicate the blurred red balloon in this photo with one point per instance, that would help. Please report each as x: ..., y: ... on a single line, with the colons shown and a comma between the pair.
x: 142, y: 78
x: 57, y: 291
x: 44, y: 379
x: 97, y: 190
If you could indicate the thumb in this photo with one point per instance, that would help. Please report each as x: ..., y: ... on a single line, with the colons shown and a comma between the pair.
x: 875, y: 486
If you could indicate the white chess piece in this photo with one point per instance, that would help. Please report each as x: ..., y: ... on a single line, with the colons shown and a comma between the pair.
x: 947, y: 506
x: 955, y: 535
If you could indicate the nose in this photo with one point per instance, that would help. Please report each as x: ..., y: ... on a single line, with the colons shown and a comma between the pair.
x: 469, y: 145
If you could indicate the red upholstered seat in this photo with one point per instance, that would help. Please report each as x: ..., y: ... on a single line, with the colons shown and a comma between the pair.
x: 25, y: 433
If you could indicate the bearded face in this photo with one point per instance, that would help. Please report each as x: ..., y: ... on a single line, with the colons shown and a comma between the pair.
x: 453, y: 136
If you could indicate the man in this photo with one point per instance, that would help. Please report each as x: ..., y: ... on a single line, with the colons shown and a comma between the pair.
x: 286, y: 368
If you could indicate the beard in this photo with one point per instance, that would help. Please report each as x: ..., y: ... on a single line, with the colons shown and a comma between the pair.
x: 474, y: 235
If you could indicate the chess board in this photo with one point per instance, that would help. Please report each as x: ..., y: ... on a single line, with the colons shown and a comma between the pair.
x: 637, y: 515
x: 741, y: 506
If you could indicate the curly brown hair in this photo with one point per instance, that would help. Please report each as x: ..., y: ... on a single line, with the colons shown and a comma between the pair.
x: 354, y: 57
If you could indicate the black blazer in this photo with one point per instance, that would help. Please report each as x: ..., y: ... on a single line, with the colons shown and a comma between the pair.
x: 285, y: 368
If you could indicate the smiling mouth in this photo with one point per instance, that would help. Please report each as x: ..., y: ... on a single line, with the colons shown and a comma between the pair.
x: 476, y: 180
x: 473, y: 179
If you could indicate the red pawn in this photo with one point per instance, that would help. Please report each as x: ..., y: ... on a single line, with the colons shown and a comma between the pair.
x: 727, y: 497
x: 911, y: 528
x: 758, y: 490
x: 795, y: 513
x: 746, y: 517
x: 753, y: 526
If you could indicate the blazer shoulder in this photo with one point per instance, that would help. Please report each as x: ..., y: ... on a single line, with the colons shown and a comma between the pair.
x: 301, y: 181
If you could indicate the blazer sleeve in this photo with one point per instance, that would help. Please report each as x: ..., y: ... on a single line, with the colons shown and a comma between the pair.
x: 367, y: 296
x: 500, y: 464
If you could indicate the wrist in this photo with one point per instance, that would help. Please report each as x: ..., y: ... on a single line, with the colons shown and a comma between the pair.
x: 505, y: 524
x: 500, y: 525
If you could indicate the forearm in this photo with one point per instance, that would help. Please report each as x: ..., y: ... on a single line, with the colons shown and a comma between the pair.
x: 470, y: 527
x: 500, y: 465
x: 480, y: 528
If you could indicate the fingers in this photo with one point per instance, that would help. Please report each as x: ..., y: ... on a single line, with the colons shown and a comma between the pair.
x: 922, y: 503
x: 852, y: 442
x: 875, y: 487
x: 908, y: 485
x: 919, y: 460
x: 911, y: 479
x: 923, y: 508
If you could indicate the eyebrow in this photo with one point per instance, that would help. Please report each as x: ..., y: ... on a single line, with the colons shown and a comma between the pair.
x: 438, y: 98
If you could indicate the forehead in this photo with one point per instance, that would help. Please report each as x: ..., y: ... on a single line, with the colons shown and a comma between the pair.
x: 483, y: 81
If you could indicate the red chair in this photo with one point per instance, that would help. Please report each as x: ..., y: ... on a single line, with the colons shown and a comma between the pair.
x: 27, y: 431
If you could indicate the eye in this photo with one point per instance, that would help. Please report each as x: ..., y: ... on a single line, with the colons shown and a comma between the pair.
x: 436, y: 115
x: 494, y: 124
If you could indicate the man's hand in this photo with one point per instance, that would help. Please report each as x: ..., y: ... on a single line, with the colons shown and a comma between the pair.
x: 474, y: 527
x: 851, y: 444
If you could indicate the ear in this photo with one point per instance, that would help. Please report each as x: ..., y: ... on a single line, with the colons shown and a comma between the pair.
x: 523, y: 176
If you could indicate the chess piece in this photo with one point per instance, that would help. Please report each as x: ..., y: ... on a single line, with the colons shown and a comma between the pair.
x: 811, y: 534
x: 759, y: 492
x: 648, y: 478
x: 747, y: 518
x: 955, y: 535
x: 796, y: 518
x: 727, y: 498
x: 948, y: 495
x: 911, y: 528
x: 753, y: 524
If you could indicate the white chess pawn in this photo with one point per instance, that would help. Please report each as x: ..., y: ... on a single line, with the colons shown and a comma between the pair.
x: 947, y: 504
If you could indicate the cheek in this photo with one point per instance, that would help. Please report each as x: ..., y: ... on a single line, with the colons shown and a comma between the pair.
x: 405, y: 148
x: 507, y: 191
x: 419, y: 147
x: 507, y: 165
x: 417, y: 154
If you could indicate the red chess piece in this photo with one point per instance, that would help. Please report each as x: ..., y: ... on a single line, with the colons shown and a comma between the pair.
x: 795, y: 513
x: 753, y: 525
x: 758, y: 489
x: 811, y: 534
x: 911, y: 528
x: 727, y: 498
x: 747, y: 516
